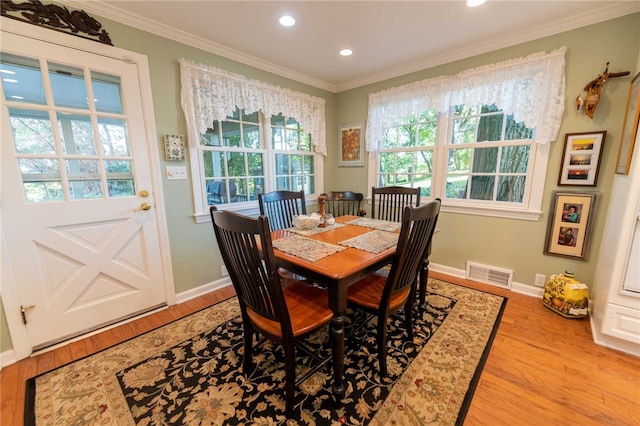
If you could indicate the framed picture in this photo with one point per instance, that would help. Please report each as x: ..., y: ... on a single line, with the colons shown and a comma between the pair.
x: 351, y: 145
x: 581, y: 159
x: 174, y: 147
x: 570, y: 223
x: 629, y: 128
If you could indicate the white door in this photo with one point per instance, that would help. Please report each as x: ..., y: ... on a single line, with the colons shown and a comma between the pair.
x: 82, y: 246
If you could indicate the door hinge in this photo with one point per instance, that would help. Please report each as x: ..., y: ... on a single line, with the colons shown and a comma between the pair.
x: 24, y: 309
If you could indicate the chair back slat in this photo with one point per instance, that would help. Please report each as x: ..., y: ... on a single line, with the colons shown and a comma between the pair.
x: 418, y: 225
x: 342, y: 203
x: 388, y: 202
x: 247, y: 252
x: 281, y: 206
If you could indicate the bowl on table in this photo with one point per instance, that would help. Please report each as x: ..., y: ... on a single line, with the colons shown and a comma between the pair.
x: 306, y: 222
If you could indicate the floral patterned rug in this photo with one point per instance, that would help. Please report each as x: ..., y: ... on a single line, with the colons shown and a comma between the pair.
x: 189, y: 372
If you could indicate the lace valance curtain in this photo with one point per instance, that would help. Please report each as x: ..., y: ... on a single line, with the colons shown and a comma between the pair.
x: 531, y: 88
x: 209, y: 94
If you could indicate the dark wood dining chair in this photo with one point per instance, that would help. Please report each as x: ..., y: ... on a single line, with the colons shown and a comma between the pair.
x: 285, y: 315
x: 383, y: 296
x: 342, y: 203
x: 281, y: 206
x: 388, y: 202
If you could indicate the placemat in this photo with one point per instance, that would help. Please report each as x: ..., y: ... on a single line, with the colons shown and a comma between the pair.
x: 314, y: 231
x: 373, y: 242
x: 306, y: 248
x: 382, y: 225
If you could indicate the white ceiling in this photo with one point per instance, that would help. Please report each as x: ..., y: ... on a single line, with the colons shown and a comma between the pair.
x: 389, y: 38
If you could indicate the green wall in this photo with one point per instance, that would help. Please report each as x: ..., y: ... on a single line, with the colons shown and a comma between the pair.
x: 511, y: 244
x: 518, y: 244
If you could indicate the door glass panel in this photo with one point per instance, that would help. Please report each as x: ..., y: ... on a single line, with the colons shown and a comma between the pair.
x: 121, y: 187
x: 114, y: 137
x: 120, y: 181
x: 41, y: 179
x: 67, y: 84
x: 106, y: 92
x: 21, y: 79
x: 84, y: 179
x: 76, y: 134
x: 32, y: 133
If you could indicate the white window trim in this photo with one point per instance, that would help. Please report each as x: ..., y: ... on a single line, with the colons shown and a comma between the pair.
x: 209, y: 94
x: 532, y: 89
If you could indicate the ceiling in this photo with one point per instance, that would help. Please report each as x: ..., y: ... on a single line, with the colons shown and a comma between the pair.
x: 389, y: 38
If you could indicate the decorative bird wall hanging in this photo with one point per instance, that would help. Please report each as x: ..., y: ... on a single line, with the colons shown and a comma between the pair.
x: 593, y: 89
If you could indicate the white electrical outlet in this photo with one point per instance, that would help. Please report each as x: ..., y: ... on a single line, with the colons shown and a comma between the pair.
x: 540, y: 280
x: 224, y: 271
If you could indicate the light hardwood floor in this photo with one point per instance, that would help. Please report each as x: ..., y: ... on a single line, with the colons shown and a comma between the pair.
x: 542, y: 370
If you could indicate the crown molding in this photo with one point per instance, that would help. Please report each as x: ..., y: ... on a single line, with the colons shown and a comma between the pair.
x: 602, y: 14
x: 605, y: 13
x: 154, y: 27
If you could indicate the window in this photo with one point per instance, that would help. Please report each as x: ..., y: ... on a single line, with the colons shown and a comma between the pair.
x: 238, y: 164
x: 236, y: 155
x: 67, y: 147
x: 486, y: 155
x: 479, y: 140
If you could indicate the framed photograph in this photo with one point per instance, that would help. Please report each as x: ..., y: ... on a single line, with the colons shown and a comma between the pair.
x: 570, y: 222
x: 351, y: 145
x: 629, y: 128
x: 581, y: 159
x: 174, y: 147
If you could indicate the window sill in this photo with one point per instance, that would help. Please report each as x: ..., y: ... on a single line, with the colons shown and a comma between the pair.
x: 504, y: 213
x: 250, y: 209
x: 493, y: 212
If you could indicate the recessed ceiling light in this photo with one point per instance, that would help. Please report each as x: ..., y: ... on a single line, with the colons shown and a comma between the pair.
x: 287, y: 21
x: 346, y: 52
x: 474, y: 3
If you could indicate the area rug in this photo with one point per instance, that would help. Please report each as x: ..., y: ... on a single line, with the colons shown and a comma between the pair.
x: 189, y: 372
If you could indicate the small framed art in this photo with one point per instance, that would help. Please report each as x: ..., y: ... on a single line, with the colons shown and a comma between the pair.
x: 174, y: 147
x: 630, y: 127
x: 351, y: 145
x: 581, y: 159
x: 570, y: 222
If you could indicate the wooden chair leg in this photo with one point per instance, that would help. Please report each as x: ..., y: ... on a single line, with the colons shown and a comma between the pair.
x: 382, y: 344
x: 423, y: 277
x: 290, y: 380
x: 408, y: 317
x: 247, y: 362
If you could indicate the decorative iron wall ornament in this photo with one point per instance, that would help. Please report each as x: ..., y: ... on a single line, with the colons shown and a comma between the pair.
x: 59, y: 18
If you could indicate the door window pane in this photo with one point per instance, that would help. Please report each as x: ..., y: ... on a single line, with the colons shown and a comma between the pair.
x: 106, y: 92
x: 113, y: 137
x: 22, y: 79
x: 41, y: 179
x: 67, y: 84
x: 84, y: 179
x: 121, y: 187
x: 76, y: 134
x: 32, y: 133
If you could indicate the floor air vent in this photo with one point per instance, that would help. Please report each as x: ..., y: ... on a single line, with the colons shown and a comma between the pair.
x: 489, y: 275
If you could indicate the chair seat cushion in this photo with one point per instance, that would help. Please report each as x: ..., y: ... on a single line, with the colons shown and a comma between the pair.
x: 368, y: 292
x: 308, y: 309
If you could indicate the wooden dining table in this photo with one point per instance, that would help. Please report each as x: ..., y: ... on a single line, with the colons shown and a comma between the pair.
x: 336, y: 272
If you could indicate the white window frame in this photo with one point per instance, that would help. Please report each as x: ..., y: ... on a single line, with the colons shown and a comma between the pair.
x: 249, y: 208
x: 532, y: 89
x: 209, y: 94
